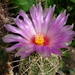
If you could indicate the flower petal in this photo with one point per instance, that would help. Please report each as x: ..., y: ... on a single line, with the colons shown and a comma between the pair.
x: 18, y: 45
x: 25, y: 50
x: 14, y: 38
x: 54, y: 28
x: 27, y: 21
x: 37, y: 17
x: 24, y: 55
x: 44, y: 51
x: 48, y: 14
x: 15, y: 30
x: 56, y: 50
x: 24, y: 28
x: 61, y: 45
x: 60, y: 16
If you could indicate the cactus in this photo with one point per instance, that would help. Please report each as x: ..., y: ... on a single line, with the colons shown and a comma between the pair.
x: 36, y: 65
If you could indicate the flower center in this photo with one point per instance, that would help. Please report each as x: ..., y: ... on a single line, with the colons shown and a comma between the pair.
x: 39, y: 39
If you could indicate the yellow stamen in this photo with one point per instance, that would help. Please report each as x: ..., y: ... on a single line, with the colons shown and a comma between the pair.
x: 39, y: 39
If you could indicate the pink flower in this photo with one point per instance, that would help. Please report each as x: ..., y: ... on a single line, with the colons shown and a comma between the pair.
x: 40, y: 33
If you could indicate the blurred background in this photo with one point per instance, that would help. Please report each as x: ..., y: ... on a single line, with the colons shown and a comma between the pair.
x: 10, y: 8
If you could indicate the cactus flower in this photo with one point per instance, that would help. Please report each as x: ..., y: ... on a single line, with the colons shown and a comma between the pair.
x: 39, y: 32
